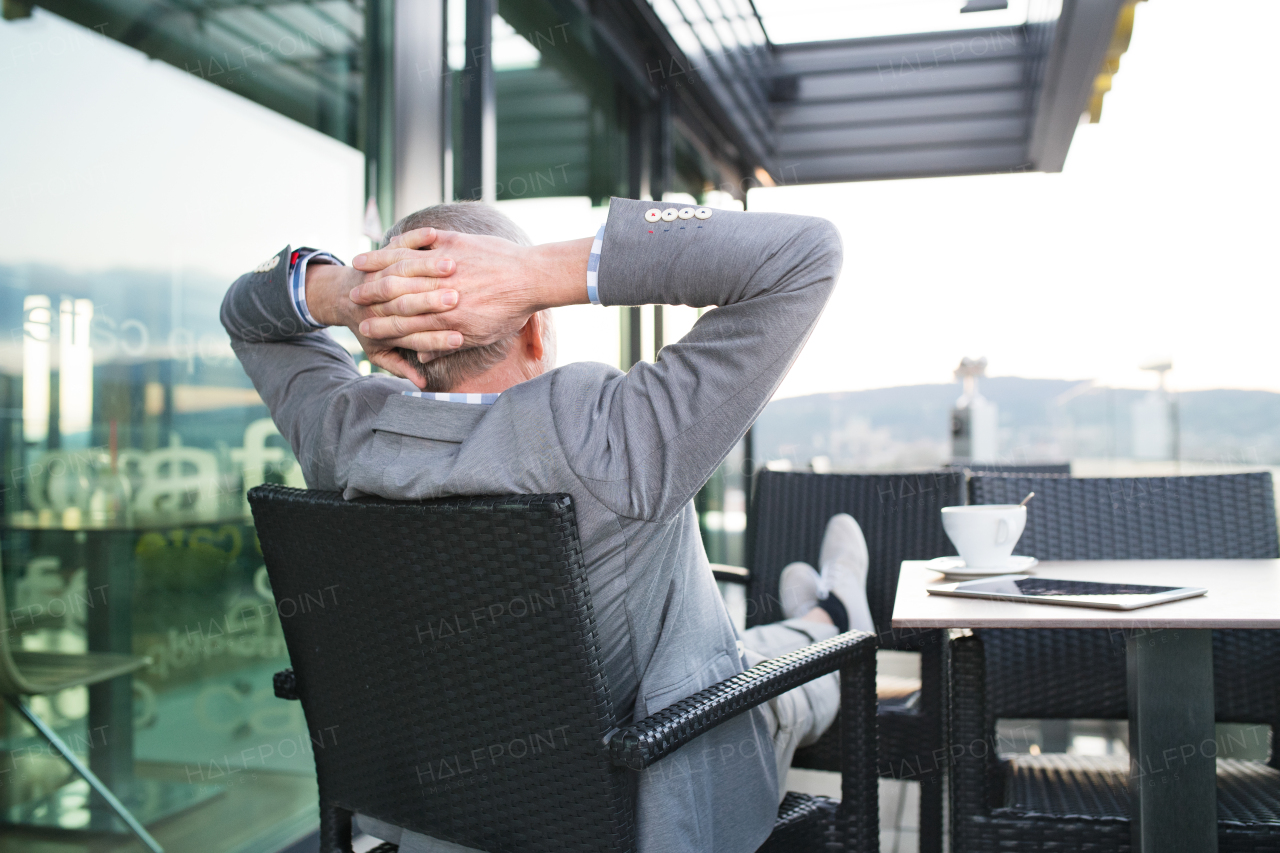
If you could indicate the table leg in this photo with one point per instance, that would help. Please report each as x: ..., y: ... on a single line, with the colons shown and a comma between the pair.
x: 1172, y: 776
x: 109, y: 627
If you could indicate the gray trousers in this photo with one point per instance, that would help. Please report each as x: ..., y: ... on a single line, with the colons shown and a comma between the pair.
x: 798, y: 717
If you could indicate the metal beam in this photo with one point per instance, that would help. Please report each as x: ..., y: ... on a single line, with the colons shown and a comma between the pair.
x: 1080, y: 42
x: 379, y: 107
x: 1173, y: 769
x: 420, y: 72
x: 918, y: 50
x: 479, y: 121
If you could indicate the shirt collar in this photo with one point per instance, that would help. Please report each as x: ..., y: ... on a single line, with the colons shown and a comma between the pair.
x: 446, y: 397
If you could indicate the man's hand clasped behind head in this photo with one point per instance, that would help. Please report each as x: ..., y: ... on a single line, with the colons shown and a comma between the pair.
x: 432, y: 292
x: 400, y: 280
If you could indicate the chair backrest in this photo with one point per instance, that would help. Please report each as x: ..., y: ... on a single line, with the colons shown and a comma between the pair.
x: 446, y: 656
x: 1228, y: 516
x: 997, y: 468
x: 1058, y: 673
x: 899, y: 515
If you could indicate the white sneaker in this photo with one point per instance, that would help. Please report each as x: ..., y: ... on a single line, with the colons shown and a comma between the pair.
x: 844, y: 561
x: 799, y: 587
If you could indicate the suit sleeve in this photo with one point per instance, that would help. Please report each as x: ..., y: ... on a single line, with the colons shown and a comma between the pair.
x: 296, y: 369
x: 651, y: 438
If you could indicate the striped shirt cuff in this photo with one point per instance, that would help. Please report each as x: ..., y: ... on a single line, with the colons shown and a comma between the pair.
x: 298, y: 279
x: 593, y: 267
x: 449, y: 397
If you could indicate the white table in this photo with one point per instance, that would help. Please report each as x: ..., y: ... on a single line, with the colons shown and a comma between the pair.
x: 1170, y: 671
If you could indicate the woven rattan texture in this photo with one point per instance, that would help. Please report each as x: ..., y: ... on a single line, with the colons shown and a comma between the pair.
x: 996, y: 468
x: 1081, y: 673
x: 660, y: 734
x: 857, y: 824
x: 1059, y: 802
x: 285, y: 684
x: 803, y: 824
x: 1098, y: 787
x: 898, y: 513
x: 901, y: 519
x: 1230, y: 516
x: 446, y: 658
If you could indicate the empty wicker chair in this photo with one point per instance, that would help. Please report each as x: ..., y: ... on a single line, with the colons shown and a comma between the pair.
x: 900, y: 517
x: 997, y: 468
x: 1023, y: 803
x: 401, y: 697
x: 27, y: 673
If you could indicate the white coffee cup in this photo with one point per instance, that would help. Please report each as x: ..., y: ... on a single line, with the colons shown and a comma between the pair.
x: 984, y: 534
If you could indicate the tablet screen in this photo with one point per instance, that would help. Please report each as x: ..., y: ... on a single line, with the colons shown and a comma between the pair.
x: 1046, y: 587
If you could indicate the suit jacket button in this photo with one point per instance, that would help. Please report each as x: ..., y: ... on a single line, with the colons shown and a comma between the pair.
x: 703, y: 213
x: 686, y: 213
x: 670, y: 214
x: 652, y: 215
x: 268, y: 265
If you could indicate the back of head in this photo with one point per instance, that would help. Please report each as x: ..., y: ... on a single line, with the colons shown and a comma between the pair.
x: 444, y: 372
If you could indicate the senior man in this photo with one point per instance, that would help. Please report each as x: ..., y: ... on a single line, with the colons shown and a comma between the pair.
x: 631, y: 448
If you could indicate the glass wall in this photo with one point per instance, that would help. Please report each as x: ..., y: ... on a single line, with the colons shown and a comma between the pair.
x: 561, y: 117
x: 129, y: 433
x: 302, y: 60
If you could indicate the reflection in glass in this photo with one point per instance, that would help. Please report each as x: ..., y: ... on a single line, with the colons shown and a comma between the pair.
x: 75, y: 371
x: 302, y: 60
x: 35, y: 367
x: 128, y: 431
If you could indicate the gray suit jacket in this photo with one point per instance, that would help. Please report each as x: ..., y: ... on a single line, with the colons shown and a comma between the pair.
x: 632, y: 449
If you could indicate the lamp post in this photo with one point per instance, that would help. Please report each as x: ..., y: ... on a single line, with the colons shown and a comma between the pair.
x: 974, y: 418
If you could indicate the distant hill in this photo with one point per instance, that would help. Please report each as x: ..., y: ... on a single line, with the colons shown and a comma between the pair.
x: 1040, y: 420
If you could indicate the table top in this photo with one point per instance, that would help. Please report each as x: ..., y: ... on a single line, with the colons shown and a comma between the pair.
x: 1242, y: 594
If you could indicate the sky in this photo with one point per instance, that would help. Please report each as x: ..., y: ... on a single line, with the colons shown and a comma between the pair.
x: 1154, y: 241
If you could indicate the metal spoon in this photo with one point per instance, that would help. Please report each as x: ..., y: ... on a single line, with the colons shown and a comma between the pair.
x: 1029, y: 496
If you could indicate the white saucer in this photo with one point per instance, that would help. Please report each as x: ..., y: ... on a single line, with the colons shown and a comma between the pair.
x: 954, y: 568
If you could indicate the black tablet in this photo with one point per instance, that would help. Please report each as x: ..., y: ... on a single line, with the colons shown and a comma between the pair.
x: 1036, y: 590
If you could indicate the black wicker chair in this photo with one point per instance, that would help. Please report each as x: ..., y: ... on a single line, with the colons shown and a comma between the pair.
x: 900, y: 517
x: 997, y: 468
x: 1025, y: 802
x: 425, y: 634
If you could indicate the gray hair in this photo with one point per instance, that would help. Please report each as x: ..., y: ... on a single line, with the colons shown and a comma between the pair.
x: 446, y: 372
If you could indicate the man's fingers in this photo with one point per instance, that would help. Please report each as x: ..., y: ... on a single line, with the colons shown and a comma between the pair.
x: 396, y: 363
x: 380, y: 259
x: 416, y: 303
x: 417, y: 238
x: 417, y: 265
x: 432, y: 343
x: 387, y: 329
x: 413, y: 304
x: 390, y: 286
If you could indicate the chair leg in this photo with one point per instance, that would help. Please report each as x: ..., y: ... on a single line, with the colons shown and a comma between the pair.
x: 88, y: 775
x: 931, y: 814
x: 858, y: 817
x: 335, y: 829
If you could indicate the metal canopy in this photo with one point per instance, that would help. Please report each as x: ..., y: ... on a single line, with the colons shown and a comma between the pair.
x: 952, y: 103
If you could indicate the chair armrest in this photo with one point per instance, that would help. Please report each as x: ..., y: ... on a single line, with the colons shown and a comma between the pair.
x: 731, y: 574
x: 657, y: 736
x: 285, y: 684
